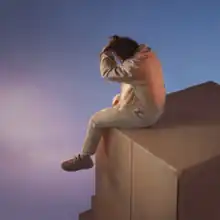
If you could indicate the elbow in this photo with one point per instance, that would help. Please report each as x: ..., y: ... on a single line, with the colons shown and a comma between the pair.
x: 105, y: 73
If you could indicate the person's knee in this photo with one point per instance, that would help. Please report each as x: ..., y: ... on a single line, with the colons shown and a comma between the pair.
x: 92, y: 122
x: 96, y: 120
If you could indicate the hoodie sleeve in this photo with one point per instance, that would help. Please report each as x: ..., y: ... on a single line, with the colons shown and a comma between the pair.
x: 111, y: 71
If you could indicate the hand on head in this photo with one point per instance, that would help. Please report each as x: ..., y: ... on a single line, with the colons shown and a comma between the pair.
x: 122, y: 47
x: 107, y: 48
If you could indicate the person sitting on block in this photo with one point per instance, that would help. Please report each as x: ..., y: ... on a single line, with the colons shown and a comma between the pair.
x: 140, y: 103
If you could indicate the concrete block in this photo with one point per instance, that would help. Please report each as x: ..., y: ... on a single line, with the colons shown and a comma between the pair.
x: 170, y: 171
x: 176, y: 163
x: 154, y: 187
x: 113, y: 178
x: 87, y: 215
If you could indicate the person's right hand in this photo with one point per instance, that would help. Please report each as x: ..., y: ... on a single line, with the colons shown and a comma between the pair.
x: 115, y: 100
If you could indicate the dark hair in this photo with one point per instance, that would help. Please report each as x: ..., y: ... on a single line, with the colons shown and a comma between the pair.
x: 124, y: 47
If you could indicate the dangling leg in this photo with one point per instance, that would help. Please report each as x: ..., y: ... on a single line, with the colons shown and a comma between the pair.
x: 106, y: 118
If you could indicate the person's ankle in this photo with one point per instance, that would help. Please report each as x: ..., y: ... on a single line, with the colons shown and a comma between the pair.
x: 85, y: 155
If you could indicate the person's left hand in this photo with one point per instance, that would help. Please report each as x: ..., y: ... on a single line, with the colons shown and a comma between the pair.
x: 106, y: 50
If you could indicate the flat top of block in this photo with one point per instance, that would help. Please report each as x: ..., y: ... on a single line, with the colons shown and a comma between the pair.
x: 189, y: 131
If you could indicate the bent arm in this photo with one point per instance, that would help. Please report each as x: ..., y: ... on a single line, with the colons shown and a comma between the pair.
x: 118, y: 73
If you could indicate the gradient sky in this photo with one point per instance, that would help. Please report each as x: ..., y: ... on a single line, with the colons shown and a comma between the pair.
x: 50, y: 85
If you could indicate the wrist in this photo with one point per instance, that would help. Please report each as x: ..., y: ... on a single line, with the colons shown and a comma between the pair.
x: 107, y: 54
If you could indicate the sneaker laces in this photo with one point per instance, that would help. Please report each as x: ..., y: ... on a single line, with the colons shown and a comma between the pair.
x: 77, y: 158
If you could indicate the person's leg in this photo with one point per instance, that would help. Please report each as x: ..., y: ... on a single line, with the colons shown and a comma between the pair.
x: 109, y: 118
x: 106, y: 118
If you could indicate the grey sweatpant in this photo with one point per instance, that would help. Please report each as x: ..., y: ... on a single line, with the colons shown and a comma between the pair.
x: 129, y: 117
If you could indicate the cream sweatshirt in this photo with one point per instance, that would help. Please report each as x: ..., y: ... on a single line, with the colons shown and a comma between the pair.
x: 140, y: 78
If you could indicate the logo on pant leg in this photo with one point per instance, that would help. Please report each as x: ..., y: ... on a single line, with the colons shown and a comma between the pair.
x: 139, y: 113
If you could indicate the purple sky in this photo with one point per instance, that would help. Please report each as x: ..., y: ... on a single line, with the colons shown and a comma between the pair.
x: 50, y: 85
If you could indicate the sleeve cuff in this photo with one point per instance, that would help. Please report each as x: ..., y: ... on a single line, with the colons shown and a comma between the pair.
x: 107, y: 55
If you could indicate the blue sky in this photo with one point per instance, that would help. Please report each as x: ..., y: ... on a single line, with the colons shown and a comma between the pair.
x: 50, y: 85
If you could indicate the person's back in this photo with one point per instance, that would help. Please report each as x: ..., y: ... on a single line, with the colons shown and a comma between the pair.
x: 149, y: 73
x: 147, y: 90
